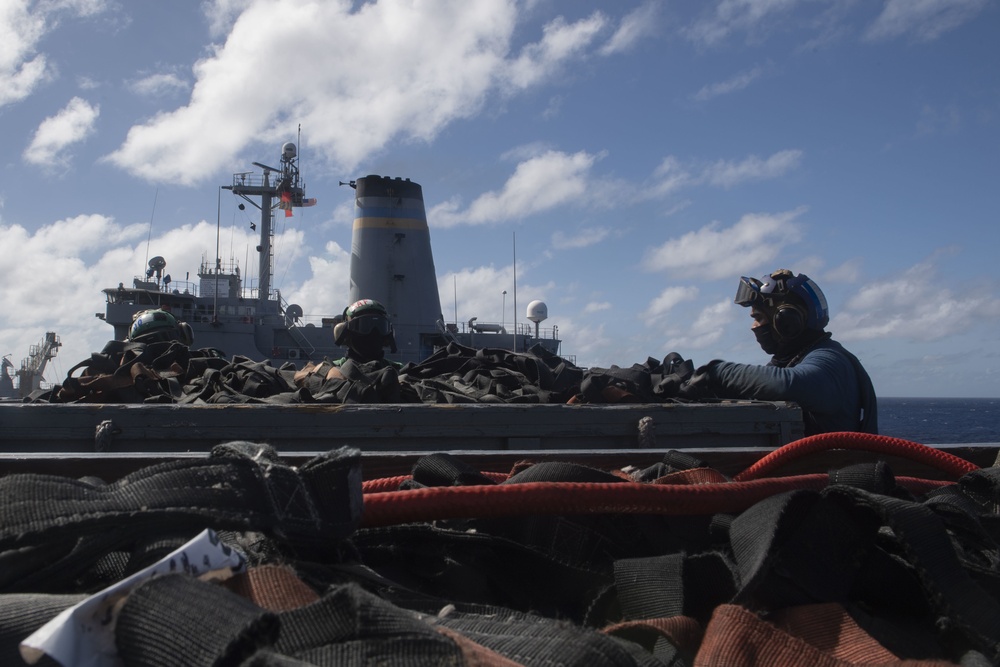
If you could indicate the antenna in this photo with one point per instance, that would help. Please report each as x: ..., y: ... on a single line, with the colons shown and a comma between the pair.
x: 218, y: 259
x: 149, y: 234
x: 514, y: 236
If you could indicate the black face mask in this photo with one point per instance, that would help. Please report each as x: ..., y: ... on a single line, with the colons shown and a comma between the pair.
x: 368, y: 346
x: 766, y: 339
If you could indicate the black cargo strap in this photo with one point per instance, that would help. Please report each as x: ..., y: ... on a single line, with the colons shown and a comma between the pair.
x: 965, y: 609
x: 240, y: 486
x: 178, y: 620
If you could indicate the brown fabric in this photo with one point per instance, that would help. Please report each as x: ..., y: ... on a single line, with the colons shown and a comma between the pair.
x: 324, y: 370
x: 272, y: 587
x: 829, y: 628
x: 693, y: 476
x: 682, y: 631
x: 736, y: 637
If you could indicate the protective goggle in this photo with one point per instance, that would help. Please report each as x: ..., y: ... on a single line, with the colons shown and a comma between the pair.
x: 748, y: 292
x: 366, y: 324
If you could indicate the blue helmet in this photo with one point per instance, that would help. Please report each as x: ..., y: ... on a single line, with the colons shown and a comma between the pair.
x: 785, y: 288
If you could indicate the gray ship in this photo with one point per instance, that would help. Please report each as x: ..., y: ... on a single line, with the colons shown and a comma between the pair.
x: 391, y: 262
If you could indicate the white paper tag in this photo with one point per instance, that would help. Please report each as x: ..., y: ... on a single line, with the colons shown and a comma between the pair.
x: 83, y: 635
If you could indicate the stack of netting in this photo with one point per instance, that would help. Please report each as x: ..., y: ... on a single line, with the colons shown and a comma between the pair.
x: 549, y: 564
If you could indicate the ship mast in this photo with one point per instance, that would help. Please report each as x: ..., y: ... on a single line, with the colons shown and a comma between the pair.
x: 289, y: 191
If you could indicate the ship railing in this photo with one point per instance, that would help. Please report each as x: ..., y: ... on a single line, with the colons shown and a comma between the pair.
x: 249, y: 178
x: 518, y: 329
x: 122, y: 294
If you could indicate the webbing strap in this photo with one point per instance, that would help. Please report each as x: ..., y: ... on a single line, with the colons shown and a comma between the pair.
x: 965, y: 608
x: 21, y: 614
x: 795, y: 548
x: 179, y: 620
x: 675, y: 584
x: 351, y: 626
x: 444, y: 469
x: 240, y: 486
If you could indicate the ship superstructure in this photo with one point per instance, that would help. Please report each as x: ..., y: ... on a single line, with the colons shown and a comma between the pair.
x: 391, y: 261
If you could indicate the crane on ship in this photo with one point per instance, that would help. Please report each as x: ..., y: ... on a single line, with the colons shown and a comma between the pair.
x: 29, y: 376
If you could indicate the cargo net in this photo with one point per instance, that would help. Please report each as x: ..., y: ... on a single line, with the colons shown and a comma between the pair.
x: 170, y: 372
x: 549, y: 563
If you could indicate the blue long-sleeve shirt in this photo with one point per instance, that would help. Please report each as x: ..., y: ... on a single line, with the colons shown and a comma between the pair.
x: 828, y: 383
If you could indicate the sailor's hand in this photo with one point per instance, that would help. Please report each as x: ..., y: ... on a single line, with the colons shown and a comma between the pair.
x: 700, y: 384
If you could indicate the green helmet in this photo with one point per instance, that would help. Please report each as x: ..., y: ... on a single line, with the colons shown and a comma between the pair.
x: 150, y: 326
x: 364, y: 318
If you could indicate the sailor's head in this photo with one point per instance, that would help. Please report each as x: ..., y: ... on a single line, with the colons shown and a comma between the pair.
x: 366, y: 329
x: 152, y: 326
x: 785, y: 304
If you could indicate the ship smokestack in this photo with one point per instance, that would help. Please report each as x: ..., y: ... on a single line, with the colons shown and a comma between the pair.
x: 391, y: 261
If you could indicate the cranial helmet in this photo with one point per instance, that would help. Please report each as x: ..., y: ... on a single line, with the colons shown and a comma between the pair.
x: 794, y: 302
x: 364, y: 318
x: 151, y: 326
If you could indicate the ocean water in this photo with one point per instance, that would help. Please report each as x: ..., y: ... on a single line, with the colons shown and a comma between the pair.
x: 935, y: 421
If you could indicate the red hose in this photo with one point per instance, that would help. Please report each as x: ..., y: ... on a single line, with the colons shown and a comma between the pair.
x: 480, y: 502
x: 561, y: 498
x: 384, y: 484
x: 385, y: 505
x: 950, y: 464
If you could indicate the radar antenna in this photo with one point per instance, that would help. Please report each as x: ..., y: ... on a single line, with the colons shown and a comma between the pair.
x: 286, y: 191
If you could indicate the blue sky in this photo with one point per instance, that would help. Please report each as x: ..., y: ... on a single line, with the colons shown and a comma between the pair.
x: 637, y: 156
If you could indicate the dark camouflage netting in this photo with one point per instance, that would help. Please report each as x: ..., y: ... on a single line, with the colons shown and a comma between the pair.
x: 170, y: 372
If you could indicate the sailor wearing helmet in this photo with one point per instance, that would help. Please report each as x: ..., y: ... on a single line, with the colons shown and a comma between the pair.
x: 366, y: 331
x: 807, y: 366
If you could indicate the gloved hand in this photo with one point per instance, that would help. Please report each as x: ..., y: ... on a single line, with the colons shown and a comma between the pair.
x: 699, y: 385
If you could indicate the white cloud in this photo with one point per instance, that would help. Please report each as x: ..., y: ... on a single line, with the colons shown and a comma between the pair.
x: 672, y: 175
x: 221, y: 14
x: 915, y: 305
x: 947, y: 120
x: 705, y: 330
x: 74, y: 123
x: 597, y: 307
x: 848, y: 272
x: 478, y: 292
x: 21, y: 68
x: 634, y: 26
x: 548, y: 178
x: 561, y: 41
x: 727, y: 174
x: 23, y: 25
x: 923, y: 20
x: 421, y: 67
x: 738, y: 82
x: 326, y: 290
x: 736, y: 16
x: 715, y: 252
x: 580, y: 239
x: 163, y: 83
x: 669, y: 177
x: 537, y: 184
x: 667, y: 299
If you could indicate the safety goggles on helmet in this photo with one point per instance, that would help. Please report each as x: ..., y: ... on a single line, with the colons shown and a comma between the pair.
x: 366, y: 324
x: 151, y: 326
x: 778, y: 288
x: 748, y: 291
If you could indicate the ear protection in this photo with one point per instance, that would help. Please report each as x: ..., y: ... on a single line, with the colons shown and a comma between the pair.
x: 340, y: 329
x: 789, y: 321
x: 187, y: 335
